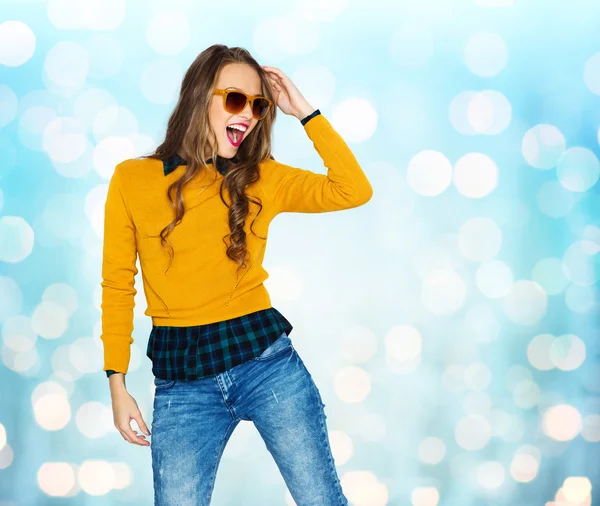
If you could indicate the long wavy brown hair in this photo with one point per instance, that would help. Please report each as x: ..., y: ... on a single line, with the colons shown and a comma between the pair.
x: 188, y: 131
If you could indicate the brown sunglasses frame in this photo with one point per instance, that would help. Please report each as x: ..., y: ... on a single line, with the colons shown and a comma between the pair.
x: 249, y: 98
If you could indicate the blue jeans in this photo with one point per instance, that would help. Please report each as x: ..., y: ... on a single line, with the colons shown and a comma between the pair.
x: 193, y: 420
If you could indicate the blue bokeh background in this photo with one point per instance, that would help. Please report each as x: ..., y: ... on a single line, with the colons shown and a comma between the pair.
x: 451, y: 324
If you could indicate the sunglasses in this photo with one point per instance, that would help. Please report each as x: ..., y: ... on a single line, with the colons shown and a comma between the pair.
x: 234, y: 102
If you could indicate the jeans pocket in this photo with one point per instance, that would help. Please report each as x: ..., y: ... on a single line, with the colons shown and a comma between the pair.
x: 163, y: 383
x: 282, y: 344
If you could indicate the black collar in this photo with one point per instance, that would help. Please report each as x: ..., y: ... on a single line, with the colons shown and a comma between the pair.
x: 170, y: 164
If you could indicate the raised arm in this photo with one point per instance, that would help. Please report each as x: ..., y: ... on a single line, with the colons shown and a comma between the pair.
x: 302, y: 191
x: 118, y: 271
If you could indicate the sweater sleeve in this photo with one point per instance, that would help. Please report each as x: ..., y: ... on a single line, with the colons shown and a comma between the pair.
x: 302, y: 191
x: 118, y: 271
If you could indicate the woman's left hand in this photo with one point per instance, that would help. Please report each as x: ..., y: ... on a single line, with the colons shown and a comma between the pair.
x: 287, y: 96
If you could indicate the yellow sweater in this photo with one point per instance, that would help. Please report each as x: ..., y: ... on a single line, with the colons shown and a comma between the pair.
x: 201, y: 285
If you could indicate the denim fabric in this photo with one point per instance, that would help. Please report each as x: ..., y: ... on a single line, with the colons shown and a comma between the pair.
x: 193, y: 420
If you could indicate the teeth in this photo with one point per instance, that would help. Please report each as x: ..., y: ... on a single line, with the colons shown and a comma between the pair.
x: 238, y: 127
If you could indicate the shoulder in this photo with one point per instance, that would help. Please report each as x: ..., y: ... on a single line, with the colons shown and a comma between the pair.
x: 133, y: 170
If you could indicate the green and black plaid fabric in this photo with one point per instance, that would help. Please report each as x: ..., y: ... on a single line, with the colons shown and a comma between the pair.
x: 189, y: 353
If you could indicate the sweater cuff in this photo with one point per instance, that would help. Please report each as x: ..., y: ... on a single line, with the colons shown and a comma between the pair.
x: 310, y: 116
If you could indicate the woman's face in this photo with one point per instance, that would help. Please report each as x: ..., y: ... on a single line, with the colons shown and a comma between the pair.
x: 232, y: 76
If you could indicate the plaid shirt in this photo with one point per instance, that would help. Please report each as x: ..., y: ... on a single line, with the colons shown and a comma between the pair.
x: 187, y: 353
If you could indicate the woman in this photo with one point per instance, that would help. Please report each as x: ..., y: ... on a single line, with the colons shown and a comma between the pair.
x: 195, y: 211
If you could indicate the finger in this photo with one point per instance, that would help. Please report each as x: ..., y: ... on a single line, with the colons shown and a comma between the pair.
x: 132, y: 437
x: 142, y: 425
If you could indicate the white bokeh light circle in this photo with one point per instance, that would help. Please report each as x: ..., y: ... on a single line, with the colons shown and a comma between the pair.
x: 591, y: 73
x: 355, y: 119
x: 578, y: 169
x: 475, y: 175
x: 65, y: 139
x: 555, y: 200
x: 543, y: 145
x: 526, y: 303
x: 486, y: 53
x: 429, y: 173
x: 168, y: 33
x: 67, y: 64
x: 17, y: 43
x: 16, y: 239
x: 494, y: 279
x: 160, y: 81
x: 443, y: 292
x: 479, y: 239
x: 489, y: 112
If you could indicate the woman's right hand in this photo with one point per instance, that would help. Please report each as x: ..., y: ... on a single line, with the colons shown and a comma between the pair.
x: 125, y: 409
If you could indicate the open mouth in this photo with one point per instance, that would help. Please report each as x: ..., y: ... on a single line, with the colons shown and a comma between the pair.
x: 235, y: 135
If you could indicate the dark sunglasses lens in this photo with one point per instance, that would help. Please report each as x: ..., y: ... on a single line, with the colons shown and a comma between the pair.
x: 260, y: 107
x: 235, y: 102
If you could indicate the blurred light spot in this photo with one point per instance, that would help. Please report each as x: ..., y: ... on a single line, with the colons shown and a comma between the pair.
x: 548, y: 273
x: 91, y: 14
x: 429, y: 173
x: 486, y: 53
x: 168, y: 33
x: 425, y: 496
x: 562, y: 422
x: 3, y: 438
x: 9, y: 102
x: 591, y: 73
x: 66, y: 65
x: 432, y: 450
x: 590, y: 431
x: 481, y: 323
x: 579, y: 265
x: 355, y: 119
x: 317, y: 82
x: 94, y: 419
x: 286, y: 282
x: 16, y: 239
x: 363, y: 488
x: 359, y: 345
x: 277, y: 38
x: 477, y: 403
x: 567, y: 352
x: 478, y: 376
x: 543, y: 145
x: 577, y: 489
x: 580, y: 299
x: 111, y: 151
x: 123, y: 475
x: 84, y: 357
x: 51, y: 407
x: 489, y: 112
x: 494, y: 279
x: 479, y: 239
x: 57, y: 479
x: 475, y: 175
x: 341, y: 446
x: 526, y: 303
x: 453, y: 379
x: 578, y: 169
x: 65, y: 139
x: 160, y: 81
x: 491, y: 474
x: 114, y: 121
x: 49, y: 320
x: 525, y: 464
x: 6, y: 457
x: 412, y: 45
x: 317, y: 11
x: 17, y: 333
x: 403, y: 343
x: 538, y: 352
x: 32, y: 123
x: 472, y: 432
x: 62, y: 294
x: 106, y: 55
x: 352, y: 384
x: 372, y: 427
x: 96, y: 477
x: 443, y: 292
x: 526, y: 394
x: 17, y: 43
